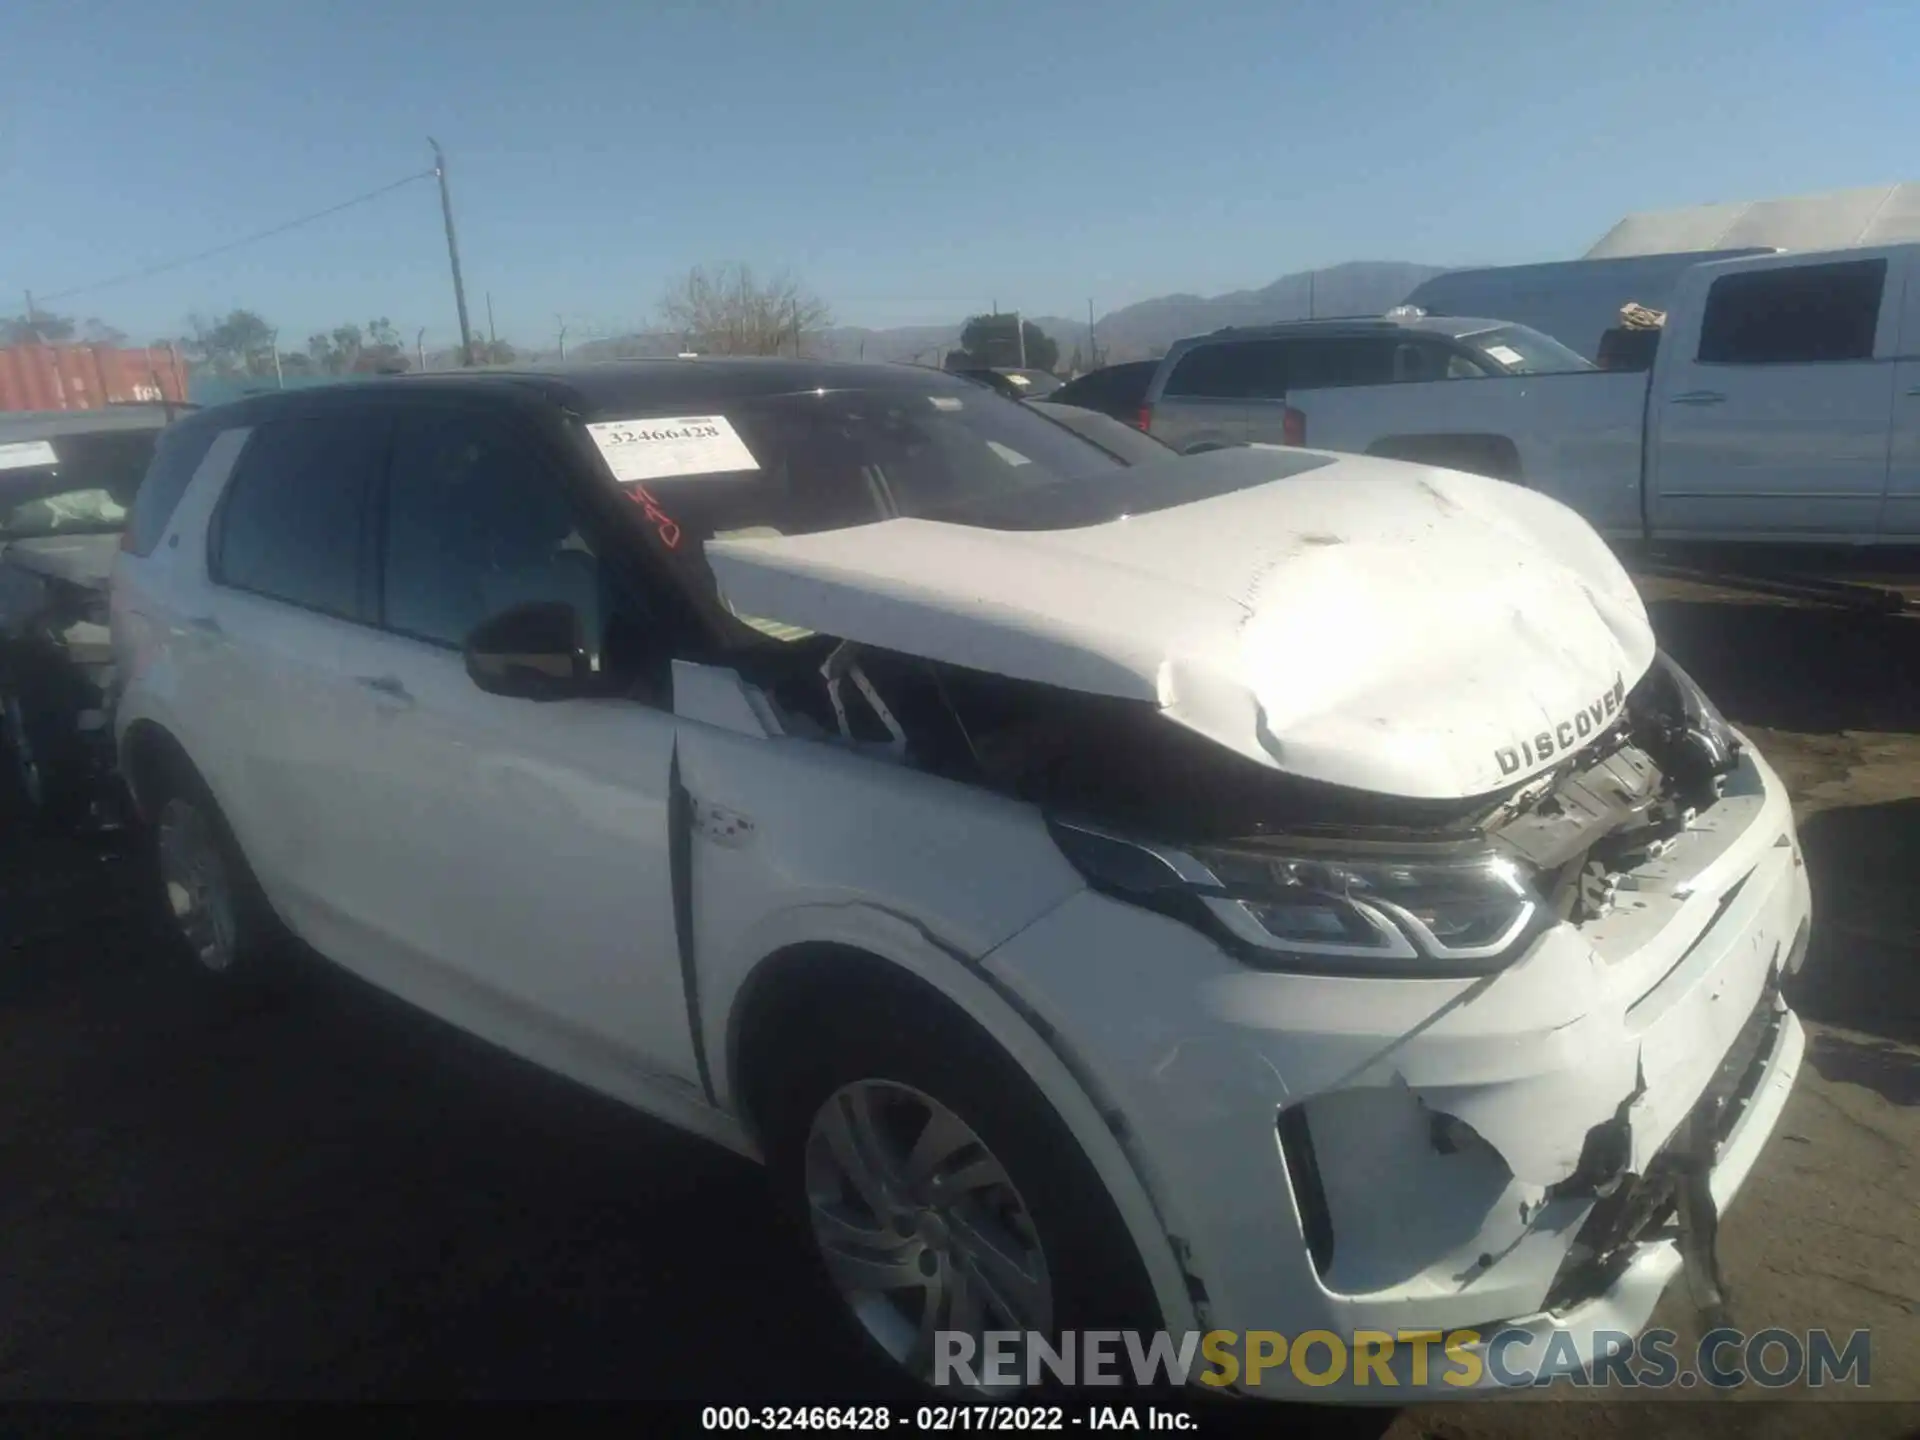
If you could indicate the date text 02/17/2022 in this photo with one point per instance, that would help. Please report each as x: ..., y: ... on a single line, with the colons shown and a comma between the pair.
x: 944, y: 1418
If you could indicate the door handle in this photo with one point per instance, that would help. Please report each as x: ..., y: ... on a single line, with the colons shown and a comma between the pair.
x: 1698, y: 397
x: 387, y: 685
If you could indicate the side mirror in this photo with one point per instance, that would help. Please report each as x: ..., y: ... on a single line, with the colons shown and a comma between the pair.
x: 531, y: 652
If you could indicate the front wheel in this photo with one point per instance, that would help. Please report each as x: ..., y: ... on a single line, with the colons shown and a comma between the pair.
x: 218, y: 913
x: 944, y: 1197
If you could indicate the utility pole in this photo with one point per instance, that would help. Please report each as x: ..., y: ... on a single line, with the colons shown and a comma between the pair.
x: 1311, y: 313
x: 1093, y: 350
x: 563, y: 336
x: 1020, y: 334
x: 420, y: 347
x: 33, y: 320
x: 453, y: 251
x: 279, y: 380
x: 493, y: 337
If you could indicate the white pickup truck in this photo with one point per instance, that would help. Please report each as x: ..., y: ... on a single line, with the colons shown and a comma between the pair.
x: 1783, y: 406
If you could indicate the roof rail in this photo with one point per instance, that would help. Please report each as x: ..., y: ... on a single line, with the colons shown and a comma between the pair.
x: 1302, y: 320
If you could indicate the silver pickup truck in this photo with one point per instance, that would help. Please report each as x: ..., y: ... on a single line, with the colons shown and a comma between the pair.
x: 1782, y: 404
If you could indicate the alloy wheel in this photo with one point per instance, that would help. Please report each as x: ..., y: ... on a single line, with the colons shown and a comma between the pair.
x: 919, y: 1224
x: 199, y: 889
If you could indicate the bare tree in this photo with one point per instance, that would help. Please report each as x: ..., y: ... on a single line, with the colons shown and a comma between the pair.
x: 727, y: 311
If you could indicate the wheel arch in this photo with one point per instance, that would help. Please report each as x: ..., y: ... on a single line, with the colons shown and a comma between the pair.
x: 151, y: 757
x: 806, y: 972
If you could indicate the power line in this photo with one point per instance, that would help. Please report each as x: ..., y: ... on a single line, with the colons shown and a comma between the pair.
x: 194, y: 259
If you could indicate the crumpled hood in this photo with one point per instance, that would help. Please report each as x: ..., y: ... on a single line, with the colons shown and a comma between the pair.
x: 1368, y: 623
x: 83, y: 560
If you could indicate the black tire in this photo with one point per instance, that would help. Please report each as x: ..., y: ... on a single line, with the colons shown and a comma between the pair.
x: 901, y: 1033
x: 253, y: 951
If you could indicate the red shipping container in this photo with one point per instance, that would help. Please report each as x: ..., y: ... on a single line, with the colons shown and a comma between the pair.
x: 88, y: 377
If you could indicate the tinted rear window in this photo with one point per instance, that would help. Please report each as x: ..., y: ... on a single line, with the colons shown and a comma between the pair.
x: 1212, y: 372
x: 1794, y: 315
x: 1119, y: 387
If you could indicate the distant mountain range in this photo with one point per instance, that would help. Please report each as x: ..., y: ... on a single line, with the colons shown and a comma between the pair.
x: 1134, y: 332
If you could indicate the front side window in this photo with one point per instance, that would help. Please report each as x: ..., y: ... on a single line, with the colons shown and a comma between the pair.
x: 1798, y: 315
x: 291, y: 524
x: 478, y: 521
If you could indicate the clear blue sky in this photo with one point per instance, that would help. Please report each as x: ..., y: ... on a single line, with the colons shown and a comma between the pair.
x: 912, y: 160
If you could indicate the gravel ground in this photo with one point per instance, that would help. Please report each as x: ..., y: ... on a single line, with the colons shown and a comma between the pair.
x: 322, y: 1195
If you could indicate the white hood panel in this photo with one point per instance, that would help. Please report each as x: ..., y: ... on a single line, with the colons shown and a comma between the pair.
x: 1369, y: 623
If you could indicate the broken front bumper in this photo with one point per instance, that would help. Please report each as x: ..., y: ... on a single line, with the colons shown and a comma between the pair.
x: 1434, y: 1155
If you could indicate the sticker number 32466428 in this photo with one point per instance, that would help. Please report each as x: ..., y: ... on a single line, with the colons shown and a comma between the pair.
x: 671, y: 447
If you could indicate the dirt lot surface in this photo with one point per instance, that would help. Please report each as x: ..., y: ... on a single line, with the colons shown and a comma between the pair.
x: 324, y: 1196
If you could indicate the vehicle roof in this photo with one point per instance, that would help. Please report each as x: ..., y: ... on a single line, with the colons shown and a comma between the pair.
x: 19, y: 425
x: 1454, y: 326
x: 607, y: 387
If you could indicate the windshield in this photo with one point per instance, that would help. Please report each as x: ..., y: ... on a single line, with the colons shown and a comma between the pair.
x: 1517, y: 350
x: 831, y: 459
x: 827, y: 459
x: 87, y: 490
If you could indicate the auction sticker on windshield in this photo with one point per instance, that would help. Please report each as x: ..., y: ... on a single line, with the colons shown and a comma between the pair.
x: 27, y: 455
x: 670, y: 446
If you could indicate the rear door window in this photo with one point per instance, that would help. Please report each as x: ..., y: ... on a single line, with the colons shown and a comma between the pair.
x: 292, y: 524
x: 1335, y: 362
x: 1797, y: 315
x: 1212, y: 372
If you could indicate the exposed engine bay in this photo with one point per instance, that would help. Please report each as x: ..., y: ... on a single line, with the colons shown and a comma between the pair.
x: 56, y: 674
x: 1581, y: 825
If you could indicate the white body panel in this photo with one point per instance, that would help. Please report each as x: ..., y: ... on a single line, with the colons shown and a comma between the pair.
x: 1774, y: 453
x: 1367, y: 624
x: 1577, y: 436
x: 508, y: 865
x: 1787, y: 451
x: 1200, y: 1054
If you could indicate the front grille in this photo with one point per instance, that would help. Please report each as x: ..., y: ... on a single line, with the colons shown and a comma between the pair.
x: 1642, y: 1206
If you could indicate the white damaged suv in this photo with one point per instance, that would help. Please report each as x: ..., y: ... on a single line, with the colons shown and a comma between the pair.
x: 1266, y: 890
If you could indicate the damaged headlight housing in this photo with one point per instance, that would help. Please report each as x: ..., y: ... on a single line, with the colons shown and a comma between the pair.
x: 1675, y: 700
x: 1299, y: 906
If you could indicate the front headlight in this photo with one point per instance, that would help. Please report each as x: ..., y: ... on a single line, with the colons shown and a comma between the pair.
x: 1357, y: 909
x: 1671, y: 699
